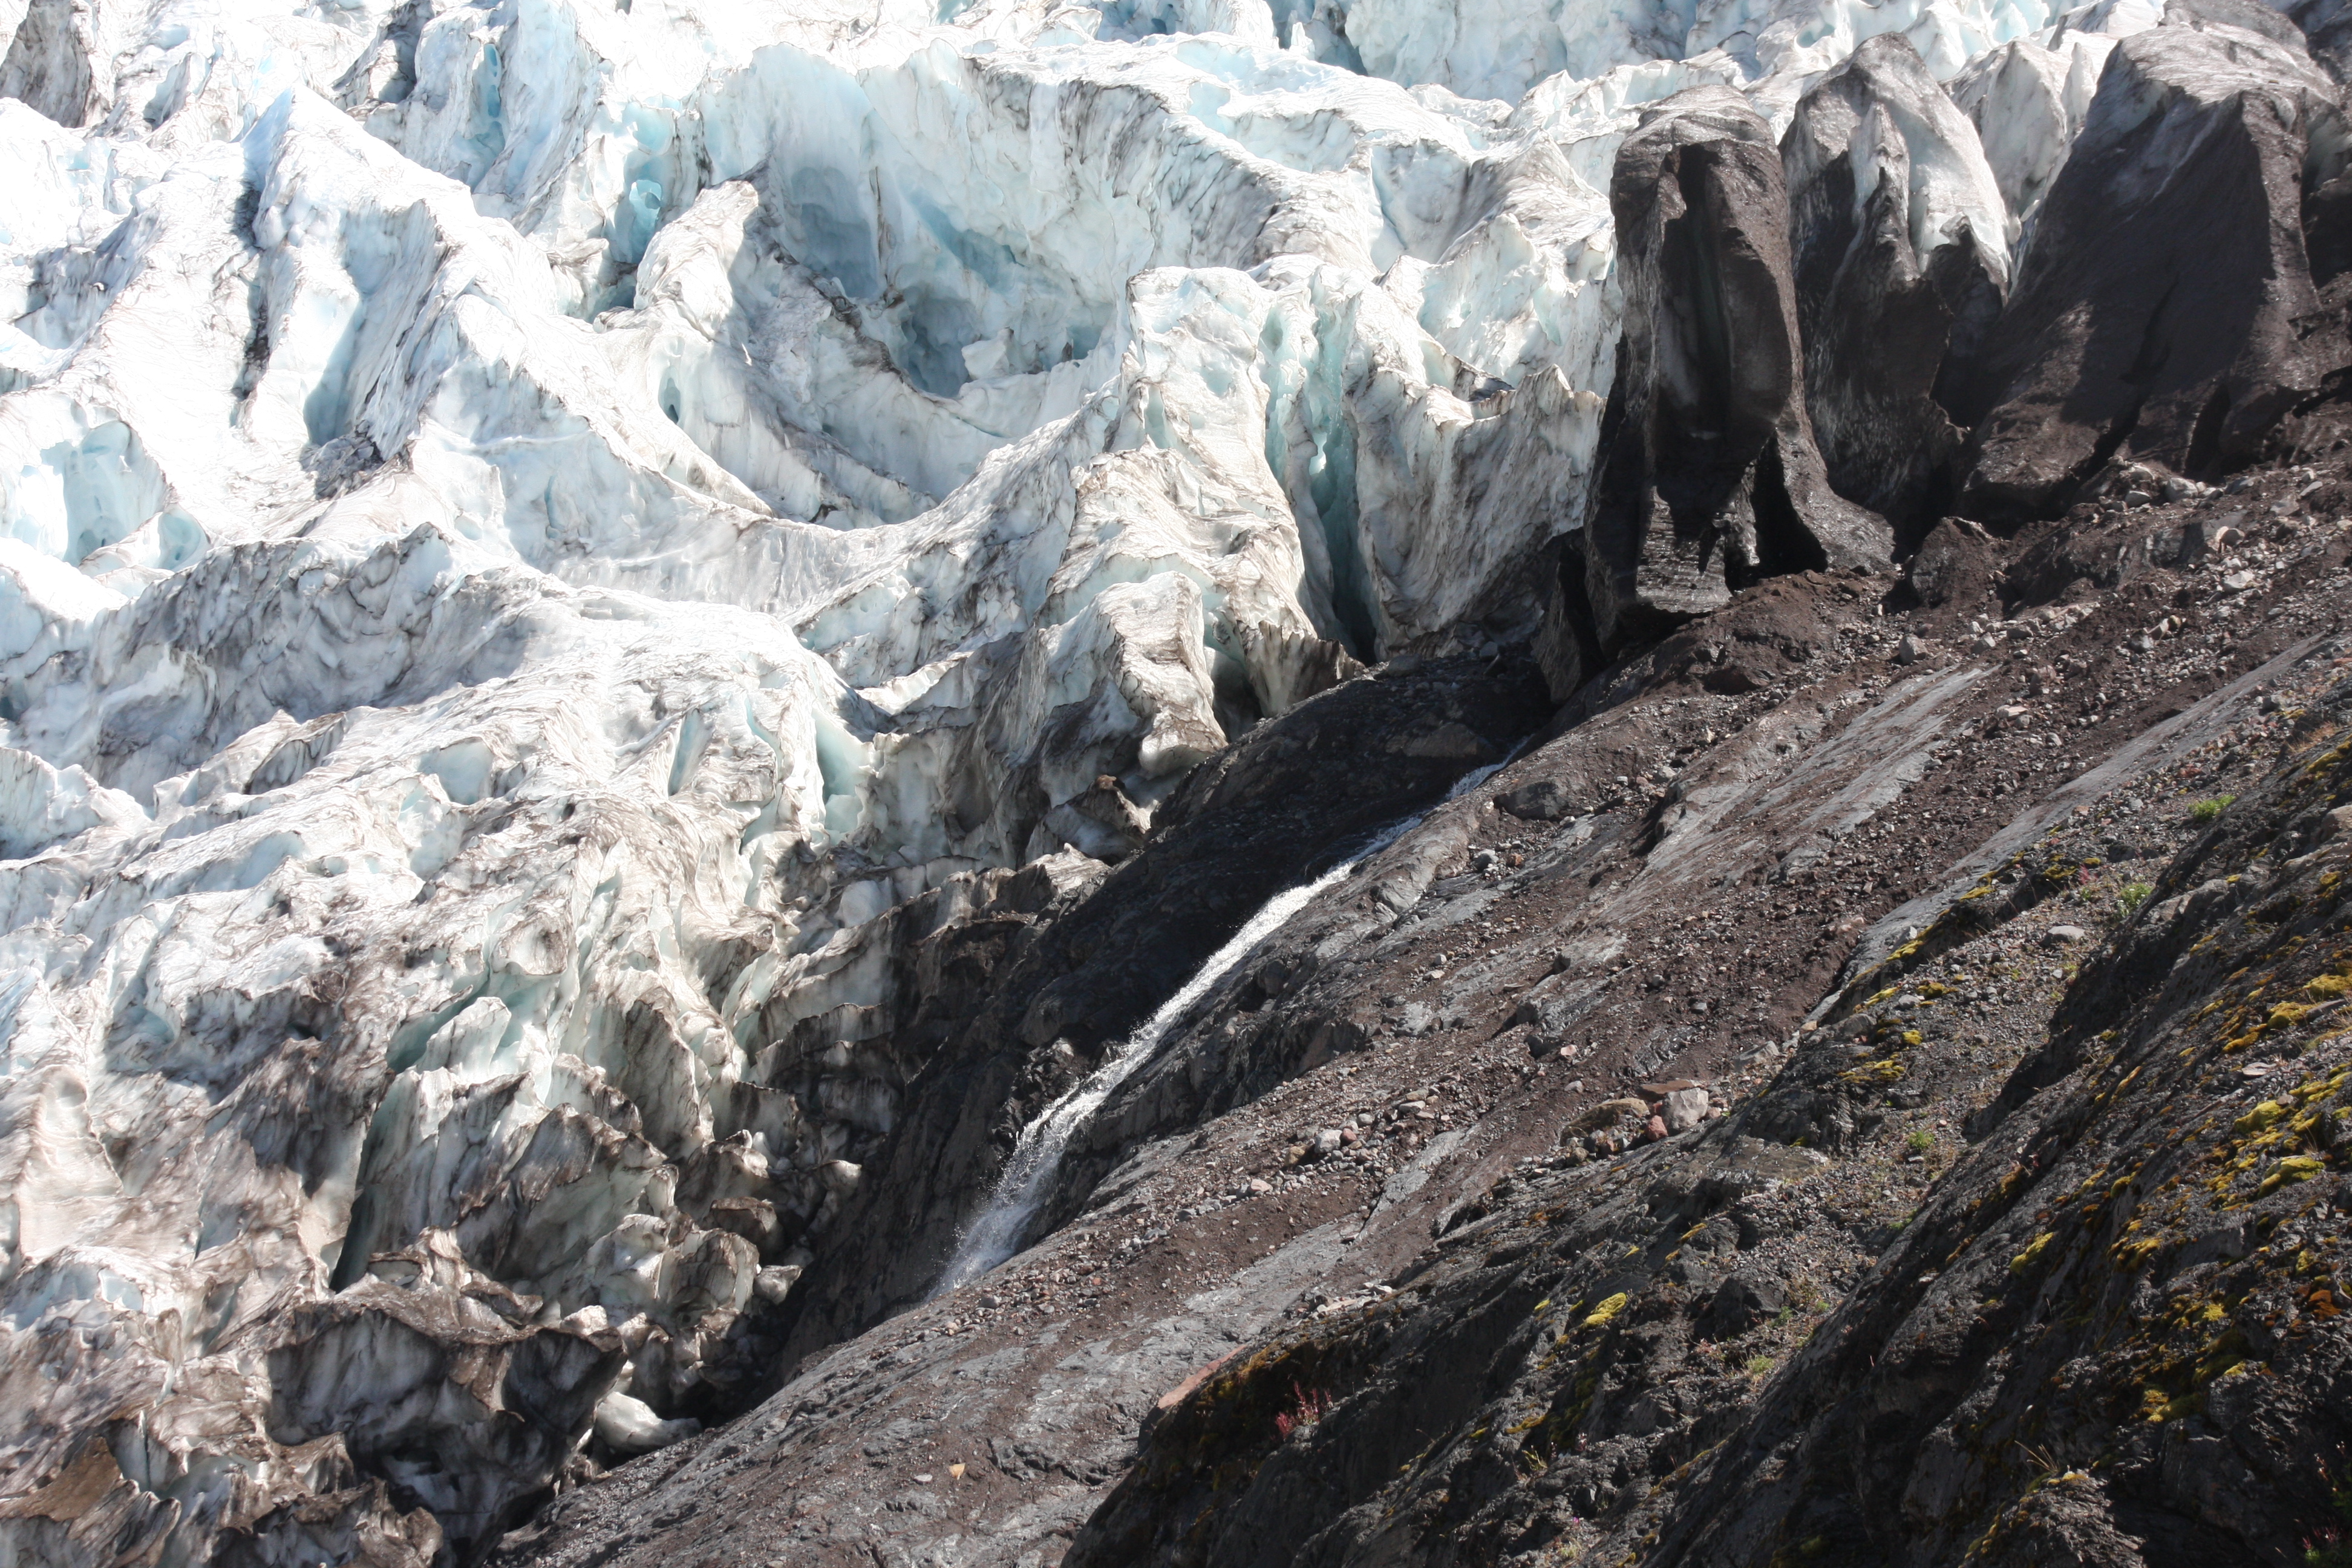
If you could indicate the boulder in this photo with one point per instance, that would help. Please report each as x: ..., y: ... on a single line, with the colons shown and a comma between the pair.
x: 1898, y: 246
x: 1540, y: 800
x: 1956, y: 562
x: 1684, y: 1109
x: 1709, y: 479
x: 1608, y: 1127
x: 1743, y: 1301
x: 2166, y: 306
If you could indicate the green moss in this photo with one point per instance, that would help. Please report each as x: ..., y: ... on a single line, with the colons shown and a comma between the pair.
x: 2295, y: 1168
x: 2209, y: 810
x: 2261, y: 1118
x: 1603, y: 1314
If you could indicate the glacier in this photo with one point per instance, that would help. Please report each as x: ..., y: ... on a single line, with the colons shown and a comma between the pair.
x: 544, y: 545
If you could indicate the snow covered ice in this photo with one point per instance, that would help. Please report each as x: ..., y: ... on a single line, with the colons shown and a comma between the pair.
x: 532, y: 535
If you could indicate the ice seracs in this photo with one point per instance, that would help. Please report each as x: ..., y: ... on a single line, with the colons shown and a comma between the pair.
x: 1900, y: 257
x: 547, y: 549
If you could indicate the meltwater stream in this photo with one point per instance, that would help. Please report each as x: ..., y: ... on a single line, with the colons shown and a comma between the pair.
x: 1028, y: 1176
x: 995, y: 1232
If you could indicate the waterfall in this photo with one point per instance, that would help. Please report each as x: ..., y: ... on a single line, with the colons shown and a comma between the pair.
x: 995, y: 1233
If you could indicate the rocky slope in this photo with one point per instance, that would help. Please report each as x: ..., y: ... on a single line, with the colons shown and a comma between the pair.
x: 1904, y: 920
x: 1132, y: 783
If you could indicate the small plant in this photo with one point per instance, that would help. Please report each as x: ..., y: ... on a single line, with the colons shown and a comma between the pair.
x: 2208, y: 810
x: 2132, y: 896
x: 1308, y: 1407
x: 1758, y: 1365
x: 1920, y: 1142
x: 2326, y: 1547
x: 2045, y: 1469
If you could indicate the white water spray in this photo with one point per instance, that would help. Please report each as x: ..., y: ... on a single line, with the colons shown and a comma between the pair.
x: 995, y: 1232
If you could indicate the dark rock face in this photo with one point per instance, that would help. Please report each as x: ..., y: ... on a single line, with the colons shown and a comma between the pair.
x: 2165, y: 308
x: 2101, y: 1303
x: 1957, y: 564
x: 1300, y: 793
x: 1896, y: 246
x: 1709, y: 475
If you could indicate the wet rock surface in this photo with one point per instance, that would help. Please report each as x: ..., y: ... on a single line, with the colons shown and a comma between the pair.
x: 1302, y: 792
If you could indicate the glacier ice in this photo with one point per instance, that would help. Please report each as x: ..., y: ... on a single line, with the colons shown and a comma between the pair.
x: 543, y: 544
x: 1899, y: 237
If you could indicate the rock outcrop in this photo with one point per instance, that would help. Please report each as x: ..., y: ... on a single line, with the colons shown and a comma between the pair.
x: 1899, y: 255
x: 2164, y: 309
x: 2112, y: 1329
x: 1443, y: 1292
x: 2107, y: 1327
x: 1708, y: 477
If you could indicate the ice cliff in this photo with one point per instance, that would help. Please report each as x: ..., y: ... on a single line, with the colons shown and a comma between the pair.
x: 544, y: 546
